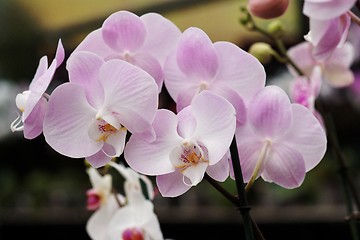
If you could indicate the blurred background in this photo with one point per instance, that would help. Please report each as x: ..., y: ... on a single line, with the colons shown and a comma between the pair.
x: 42, y: 194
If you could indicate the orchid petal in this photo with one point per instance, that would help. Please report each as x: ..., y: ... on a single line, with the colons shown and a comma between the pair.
x: 195, y: 173
x: 185, y: 98
x: 94, y: 43
x: 161, y: 36
x: 152, y: 158
x: 130, y: 92
x: 270, y: 112
x: 124, y: 31
x: 235, y: 99
x: 239, y: 70
x: 171, y: 185
x: 99, y: 182
x: 66, y: 123
x: 98, y: 159
x: 41, y: 69
x: 176, y: 82
x: 186, y: 123
x: 60, y: 54
x: 307, y: 136
x: 99, y: 220
x: 338, y: 76
x: 220, y: 170
x: 343, y: 55
x: 117, y: 141
x: 83, y: 68
x: 301, y: 54
x: 38, y: 88
x: 196, y: 55
x: 327, y: 9
x: 249, y: 153
x: 214, y: 123
x: 327, y: 35
x: 151, y: 66
x: 284, y: 166
x: 33, y: 124
x: 128, y: 216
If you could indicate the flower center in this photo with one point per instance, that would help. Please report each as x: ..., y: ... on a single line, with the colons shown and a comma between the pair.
x: 133, y: 233
x: 101, y: 130
x: 192, y: 154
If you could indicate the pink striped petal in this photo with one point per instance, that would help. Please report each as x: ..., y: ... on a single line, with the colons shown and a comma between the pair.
x: 161, y: 36
x: 239, y: 70
x: 284, y: 166
x: 131, y: 93
x: 66, y: 124
x: 83, y: 68
x: 98, y: 159
x: 220, y: 171
x: 307, y: 136
x: 215, y: 119
x: 151, y: 66
x: 33, y: 124
x: 196, y: 55
x: 124, y: 31
x: 270, y: 112
x: 326, y: 9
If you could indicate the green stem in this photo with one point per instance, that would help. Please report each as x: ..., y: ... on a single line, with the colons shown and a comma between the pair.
x: 242, y: 206
x: 345, y: 179
x: 252, y: 26
x: 235, y: 201
x: 350, y: 192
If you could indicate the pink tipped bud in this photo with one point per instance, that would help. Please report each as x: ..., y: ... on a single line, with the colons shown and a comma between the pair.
x: 267, y: 8
x: 93, y: 199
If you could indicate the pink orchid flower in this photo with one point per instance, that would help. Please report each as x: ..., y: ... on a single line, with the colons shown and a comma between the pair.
x: 329, y: 24
x: 143, y: 41
x: 281, y: 140
x: 89, y: 116
x: 187, y: 144
x: 33, y: 102
x: 335, y: 70
x: 197, y: 64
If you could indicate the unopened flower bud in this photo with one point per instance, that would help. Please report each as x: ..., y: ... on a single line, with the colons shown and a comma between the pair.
x: 262, y: 51
x: 267, y: 9
x: 276, y: 28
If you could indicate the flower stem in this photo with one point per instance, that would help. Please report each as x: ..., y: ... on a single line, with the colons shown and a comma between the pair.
x: 347, y: 183
x: 351, y: 195
x: 242, y: 206
x: 235, y: 201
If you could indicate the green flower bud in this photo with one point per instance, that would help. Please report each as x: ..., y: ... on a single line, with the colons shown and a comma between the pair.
x: 262, y: 51
x: 276, y: 28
